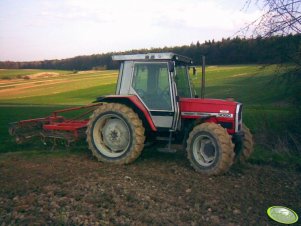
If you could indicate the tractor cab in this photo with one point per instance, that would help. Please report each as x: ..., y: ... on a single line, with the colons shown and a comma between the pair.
x: 159, y: 80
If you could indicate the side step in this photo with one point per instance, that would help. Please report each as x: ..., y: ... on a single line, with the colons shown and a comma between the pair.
x: 164, y: 139
x: 168, y: 148
x: 173, y: 148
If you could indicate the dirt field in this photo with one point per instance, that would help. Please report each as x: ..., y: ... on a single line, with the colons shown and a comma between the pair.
x: 158, y: 189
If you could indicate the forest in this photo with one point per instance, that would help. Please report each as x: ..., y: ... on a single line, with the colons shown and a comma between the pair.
x: 259, y: 50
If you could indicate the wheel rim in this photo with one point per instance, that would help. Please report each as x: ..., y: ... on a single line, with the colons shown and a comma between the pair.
x: 204, y: 150
x: 111, y: 135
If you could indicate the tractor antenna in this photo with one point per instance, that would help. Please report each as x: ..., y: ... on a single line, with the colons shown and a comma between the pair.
x: 203, y: 78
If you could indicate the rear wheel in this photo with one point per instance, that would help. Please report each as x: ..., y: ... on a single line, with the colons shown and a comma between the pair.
x: 247, y: 148
x: 115, y: 134
x: 210, y: 149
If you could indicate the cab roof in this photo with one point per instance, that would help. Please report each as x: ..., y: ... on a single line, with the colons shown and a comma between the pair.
x: 153, y: 56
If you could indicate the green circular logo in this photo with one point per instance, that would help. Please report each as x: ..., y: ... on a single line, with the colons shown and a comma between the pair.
x: 282, y: 214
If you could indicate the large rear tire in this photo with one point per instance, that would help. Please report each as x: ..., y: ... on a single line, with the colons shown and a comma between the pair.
x: 210, y: 149
x: 247, y: 148
x: 115, y: 134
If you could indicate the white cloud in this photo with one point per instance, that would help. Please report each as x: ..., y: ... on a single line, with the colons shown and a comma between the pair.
x: 138, y: 18
x: 74, y: 27
x: 142, y: 13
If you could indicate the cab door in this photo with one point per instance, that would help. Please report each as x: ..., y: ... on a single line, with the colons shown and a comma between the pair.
x: 152, y: 83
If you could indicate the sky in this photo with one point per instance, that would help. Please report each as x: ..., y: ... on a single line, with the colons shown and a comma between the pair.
x: 56, y: 29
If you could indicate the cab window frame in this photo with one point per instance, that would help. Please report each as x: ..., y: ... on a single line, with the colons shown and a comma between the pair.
x: 170, y: 91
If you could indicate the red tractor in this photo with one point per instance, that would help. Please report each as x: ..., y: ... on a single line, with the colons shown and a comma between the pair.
x: 154, y: 101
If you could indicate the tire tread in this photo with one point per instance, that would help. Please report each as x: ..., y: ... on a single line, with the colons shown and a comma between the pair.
x: 136, y: 126
x: 224, y: 142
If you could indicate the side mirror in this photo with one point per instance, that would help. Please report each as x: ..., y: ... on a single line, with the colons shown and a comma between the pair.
x: 171, y: 66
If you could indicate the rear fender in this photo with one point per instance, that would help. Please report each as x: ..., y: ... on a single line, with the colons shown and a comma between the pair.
x: 134, y: 103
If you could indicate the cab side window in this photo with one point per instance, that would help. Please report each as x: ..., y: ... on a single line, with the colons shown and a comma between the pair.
x: 151, y: 83
x: 182, y: 81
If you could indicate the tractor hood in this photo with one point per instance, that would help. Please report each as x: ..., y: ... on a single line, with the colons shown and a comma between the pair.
x: 196, y: 107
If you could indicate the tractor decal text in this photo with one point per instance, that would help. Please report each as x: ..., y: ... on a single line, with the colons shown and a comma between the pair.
x: 205, y: 114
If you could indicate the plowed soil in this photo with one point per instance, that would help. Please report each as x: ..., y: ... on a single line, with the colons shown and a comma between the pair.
x: 157, y: 189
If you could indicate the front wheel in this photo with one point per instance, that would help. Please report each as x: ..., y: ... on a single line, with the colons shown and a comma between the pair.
x: 115, y: 134
x: 210, y: 149
x: 247, y: 144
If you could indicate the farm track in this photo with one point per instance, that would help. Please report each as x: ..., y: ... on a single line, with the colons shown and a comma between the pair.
x: 159, y: 189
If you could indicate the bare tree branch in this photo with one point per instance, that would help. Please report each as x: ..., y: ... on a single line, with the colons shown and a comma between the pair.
x: 280, y: 17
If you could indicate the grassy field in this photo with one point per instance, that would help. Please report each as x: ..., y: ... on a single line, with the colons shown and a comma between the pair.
x: 251, y: 85
x: 267, y: 111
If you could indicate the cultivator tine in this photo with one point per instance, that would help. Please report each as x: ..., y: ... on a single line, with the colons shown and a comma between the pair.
x: 12, y: 129
x: 53, y: 144
x: 43, y: 140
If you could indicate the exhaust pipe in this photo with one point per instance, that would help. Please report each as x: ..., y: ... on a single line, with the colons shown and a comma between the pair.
x: 203, y: 78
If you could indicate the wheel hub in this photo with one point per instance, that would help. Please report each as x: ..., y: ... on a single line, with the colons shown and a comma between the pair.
x: 204, y: 150
x: 209, y: 150
x: 115, y: 135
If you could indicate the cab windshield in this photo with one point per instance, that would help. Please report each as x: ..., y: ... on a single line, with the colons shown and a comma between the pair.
x: 182, y: 81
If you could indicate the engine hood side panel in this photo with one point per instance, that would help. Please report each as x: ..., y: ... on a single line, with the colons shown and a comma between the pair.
x: 207, y: 105
x: 223, y: 110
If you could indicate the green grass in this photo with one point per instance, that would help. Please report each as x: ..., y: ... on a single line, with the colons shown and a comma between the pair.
x: 73, y: 97
x: 267, y: 111
x: 251, y: 85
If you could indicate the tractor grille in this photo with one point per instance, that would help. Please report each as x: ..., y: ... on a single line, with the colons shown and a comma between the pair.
x: 238, y: 118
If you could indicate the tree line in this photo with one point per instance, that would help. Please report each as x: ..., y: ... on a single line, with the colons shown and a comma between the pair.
x: 259, y: 50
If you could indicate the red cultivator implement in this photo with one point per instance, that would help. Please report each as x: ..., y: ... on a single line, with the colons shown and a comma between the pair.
x: 54, y: 126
